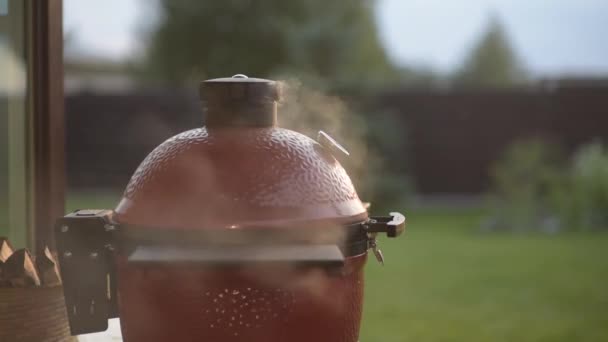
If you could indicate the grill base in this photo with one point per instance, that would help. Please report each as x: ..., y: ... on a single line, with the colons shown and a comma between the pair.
x: 252, y: 304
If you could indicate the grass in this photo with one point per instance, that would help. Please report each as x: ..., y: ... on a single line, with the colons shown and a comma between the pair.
x: 93, y: 199
x: 445, y: 281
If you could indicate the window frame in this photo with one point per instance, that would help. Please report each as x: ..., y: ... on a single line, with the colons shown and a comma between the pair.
x: 48, y: 122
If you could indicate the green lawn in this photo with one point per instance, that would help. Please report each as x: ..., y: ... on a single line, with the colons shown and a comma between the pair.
x: 444, y: 281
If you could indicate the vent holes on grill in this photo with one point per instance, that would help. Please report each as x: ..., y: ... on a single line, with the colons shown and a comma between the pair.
x: 237, y: 309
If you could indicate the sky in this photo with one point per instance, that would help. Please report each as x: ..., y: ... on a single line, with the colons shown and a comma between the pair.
x: 551, y: 37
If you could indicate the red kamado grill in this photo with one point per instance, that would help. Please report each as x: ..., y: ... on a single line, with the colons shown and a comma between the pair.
x: 236, y: 231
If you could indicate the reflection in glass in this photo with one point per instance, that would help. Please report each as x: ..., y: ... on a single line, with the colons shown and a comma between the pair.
x: 13, y: 124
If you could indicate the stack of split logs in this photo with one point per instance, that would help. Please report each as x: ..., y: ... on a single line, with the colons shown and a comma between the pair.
x: 18, y: 268
x: 31, y: 297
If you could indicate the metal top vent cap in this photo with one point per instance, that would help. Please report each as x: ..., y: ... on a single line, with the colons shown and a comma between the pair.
x: 240, y: 101
x: 240, y: 88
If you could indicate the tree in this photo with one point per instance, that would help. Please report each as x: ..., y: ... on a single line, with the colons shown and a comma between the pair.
x: 492, y: 61
x: 332, y: 40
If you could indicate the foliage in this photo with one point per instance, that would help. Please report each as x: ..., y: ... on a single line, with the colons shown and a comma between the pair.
x: 387, y: 185
x: 492, y: 61
x: 332, y: 40
x: 533, y: 190
x: 525, y: 183
x: 587, y: 203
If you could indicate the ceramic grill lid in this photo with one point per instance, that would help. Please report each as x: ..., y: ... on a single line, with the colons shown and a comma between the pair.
x: 239, y: 170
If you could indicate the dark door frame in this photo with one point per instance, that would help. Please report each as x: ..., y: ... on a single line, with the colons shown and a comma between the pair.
x: 48, y: 123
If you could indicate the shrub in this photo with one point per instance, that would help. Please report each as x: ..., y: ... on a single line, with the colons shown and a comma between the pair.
x: 525, y: 185
x: 534, y: 190
x: 587, y: 207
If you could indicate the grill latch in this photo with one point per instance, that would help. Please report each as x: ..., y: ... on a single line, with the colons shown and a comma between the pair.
x: 84, y: 241
x: 393, y: 225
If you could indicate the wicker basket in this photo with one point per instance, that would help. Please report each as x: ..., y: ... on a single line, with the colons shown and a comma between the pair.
x: 35, y: 314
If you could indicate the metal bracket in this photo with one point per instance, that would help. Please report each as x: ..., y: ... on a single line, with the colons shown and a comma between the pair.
x: 393, y: 225
x: 85, y: 246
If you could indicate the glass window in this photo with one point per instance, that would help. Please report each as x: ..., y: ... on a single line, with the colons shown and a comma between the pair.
x: 13, y: 124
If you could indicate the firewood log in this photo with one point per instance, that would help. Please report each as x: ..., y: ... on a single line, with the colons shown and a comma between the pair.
x: 5, y: 249
x: 47, y: 269
x: 20, y: 271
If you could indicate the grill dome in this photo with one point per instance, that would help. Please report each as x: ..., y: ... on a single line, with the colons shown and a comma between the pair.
x: 222, y: 177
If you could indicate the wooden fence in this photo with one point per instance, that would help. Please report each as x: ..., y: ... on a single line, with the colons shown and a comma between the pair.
x: 452, y: 137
